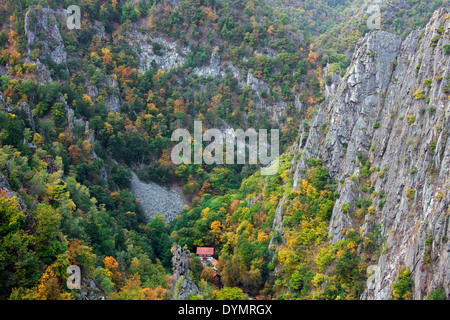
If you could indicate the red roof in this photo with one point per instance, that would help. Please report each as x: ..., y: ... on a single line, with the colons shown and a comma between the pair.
x: 205, y: 250
x: 214, y: 262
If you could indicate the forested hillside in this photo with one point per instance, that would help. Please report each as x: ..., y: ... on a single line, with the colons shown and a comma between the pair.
x: 81, y: 109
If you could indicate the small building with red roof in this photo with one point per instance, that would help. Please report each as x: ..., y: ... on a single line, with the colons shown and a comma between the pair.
x: 205, y: 252
x: 214, y: 262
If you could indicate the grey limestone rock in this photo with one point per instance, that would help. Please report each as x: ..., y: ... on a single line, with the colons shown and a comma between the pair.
x: 181, y: 265
x: 375, y: 112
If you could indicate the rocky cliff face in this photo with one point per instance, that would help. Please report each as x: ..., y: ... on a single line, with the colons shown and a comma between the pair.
x: 390, y: 113
x: 173, y: 55
x: 41, y: 29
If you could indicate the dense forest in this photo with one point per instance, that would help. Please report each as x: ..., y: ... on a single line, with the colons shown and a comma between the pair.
x: 80, y: 110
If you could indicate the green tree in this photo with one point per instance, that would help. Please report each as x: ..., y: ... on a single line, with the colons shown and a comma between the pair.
x: 230, y: 293
x: 438, y: 294
x: 403, y: 286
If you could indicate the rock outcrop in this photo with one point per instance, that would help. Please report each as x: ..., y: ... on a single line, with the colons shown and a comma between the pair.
x: 168, y: 57
x: 182, y: 284
x: 391, y: 111
x: 41, y: 24
x: 42, y: 32
x: 3, y: 104
x: 90, y: 289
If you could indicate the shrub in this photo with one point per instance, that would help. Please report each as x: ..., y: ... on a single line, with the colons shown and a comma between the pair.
x: 419, y: 94
x: 345, y: 207
x: 230, y: 293
x: 402, y: 288
x: 435, y: 40
x: 413, y: 170
x: 431, y: 109
x: 428, y: 82
x: 410, y: 193
x: 411, y: 119
x: 437, y: 294
x: 157, y: 48
x: 447, y: 48
x: 365, y: 171
x: 121, y: 176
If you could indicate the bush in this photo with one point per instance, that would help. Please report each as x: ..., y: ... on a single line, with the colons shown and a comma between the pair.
x: 437, y: 294
x: 347, y: 266
x: 447, y: 48
x: 365, y: 172
x: 345, y: 207
x: 410, y: 193
x: 157, y: 49
x: 419, y: 94
x: 160, y: 173
x: 121, y: 176
x: 413, y: 170
x: 411, y: 119
x: 435, y: 40
x: 428, y: 82
x: 402, y: 288
x: 228, y: 293
x: 431, y: 109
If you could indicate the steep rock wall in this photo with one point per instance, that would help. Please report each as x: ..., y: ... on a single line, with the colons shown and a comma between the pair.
x: 392, y: 109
